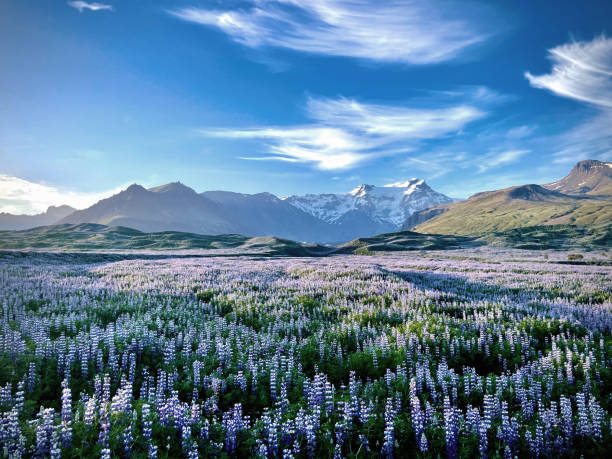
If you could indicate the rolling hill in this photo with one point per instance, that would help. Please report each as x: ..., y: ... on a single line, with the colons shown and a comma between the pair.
x: 95, y: 237
x: 578, y: 199
x: 406, y: 241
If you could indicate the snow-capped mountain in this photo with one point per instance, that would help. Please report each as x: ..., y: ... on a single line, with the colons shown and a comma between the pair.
x: 383, y: 208
x: 331, y: 218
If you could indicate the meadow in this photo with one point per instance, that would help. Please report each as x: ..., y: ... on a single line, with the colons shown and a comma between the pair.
x: 402, y: 355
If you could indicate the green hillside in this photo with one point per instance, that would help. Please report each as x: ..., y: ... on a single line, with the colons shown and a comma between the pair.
x: 518, y: 207
x: 92, y: 237
x: 406, y: 240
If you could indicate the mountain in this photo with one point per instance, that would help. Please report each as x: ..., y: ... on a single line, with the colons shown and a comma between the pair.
x: 171, y: 207
x: 578, y: 199
x: 422, y: 216
x: 364, y: 211
x: 589, y: 177
x: 19, y: 222
x: 92, y: 237
x: 176, y: 207
x: 265, y: 214
x: 370, y: 209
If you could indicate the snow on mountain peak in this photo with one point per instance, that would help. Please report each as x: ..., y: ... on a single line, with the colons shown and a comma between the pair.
x: 389, y: 205
x: 407, y: 184
x: 361, y: 190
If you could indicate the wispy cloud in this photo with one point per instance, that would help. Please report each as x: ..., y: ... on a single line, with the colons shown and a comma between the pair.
x: 591, y: 139
x: 439, y: 163
x: 408, y: 31
x: 345, y: 132
x: 22, y: 196
x: 95, y: 6
x: 581, y: 71
x: 498, y: 158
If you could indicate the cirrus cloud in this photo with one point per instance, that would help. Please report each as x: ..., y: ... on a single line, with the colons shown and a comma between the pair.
x: 345, y: 132
x: 407, y: 31
x: 581, y: 71
x: 95, y: 6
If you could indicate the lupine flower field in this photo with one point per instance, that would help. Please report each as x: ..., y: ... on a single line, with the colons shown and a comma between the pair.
x: 346, y: 356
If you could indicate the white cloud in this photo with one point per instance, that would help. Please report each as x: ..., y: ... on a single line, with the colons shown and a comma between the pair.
x: 496, y: 159
x: 439, y: 163
x: 408, y: 31
x: 581, y: 71
x: 22, y: 196
x: 520, y: 132
x: 385, y: 120
x: 345, y: 132
x: 80, y: 5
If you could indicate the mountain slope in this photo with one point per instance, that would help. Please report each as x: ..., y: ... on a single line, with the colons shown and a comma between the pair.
x: 369, y: 209
x: 583, y: 197
x: 422, y: 216
x: 264, y: 214
x: 19, y: 222
x: 176, y: 207
x: 365, y: 211
x: 172, y: 207
x: 517, y: 207
x: 589, y: 177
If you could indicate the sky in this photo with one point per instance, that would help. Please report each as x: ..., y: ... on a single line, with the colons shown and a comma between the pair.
x: 297, y: 96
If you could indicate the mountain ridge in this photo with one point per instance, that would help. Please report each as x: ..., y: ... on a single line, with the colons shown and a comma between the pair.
x: 364, y: 211
x: 566, y: 201
x: 589, y: 177
x: 580, y: 198
x: 382, y: 207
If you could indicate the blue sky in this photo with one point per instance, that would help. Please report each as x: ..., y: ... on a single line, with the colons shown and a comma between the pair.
x: 297, y: 96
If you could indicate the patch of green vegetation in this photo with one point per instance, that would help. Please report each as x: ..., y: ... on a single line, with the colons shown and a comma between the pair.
x: 205, y: 296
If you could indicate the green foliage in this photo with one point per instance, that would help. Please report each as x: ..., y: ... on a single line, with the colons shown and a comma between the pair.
x: 205, y: 296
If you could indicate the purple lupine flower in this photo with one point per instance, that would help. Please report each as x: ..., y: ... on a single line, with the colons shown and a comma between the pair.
x: 483, y: 442
x: 66, y: 415
x: 450, y: 428
x: 423, y: 445
x: 55, y: 451
x: 584, y: 426
x: 128, y: 436
x: 31, y: 376
x: 418, y: 419
x: 389, y: 437
x: 310, y: 436
x: 597, y: 418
